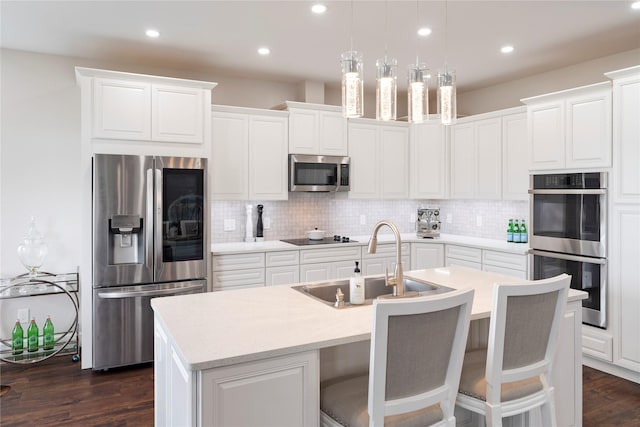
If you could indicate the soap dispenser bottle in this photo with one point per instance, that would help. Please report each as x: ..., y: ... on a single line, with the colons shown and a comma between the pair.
x: 356, y: 287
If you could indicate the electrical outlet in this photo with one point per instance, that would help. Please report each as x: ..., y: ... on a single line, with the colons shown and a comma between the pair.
x: 479, y: 220
x: 363, y: 220
x: 229, y: 225
x: 449, y: 218
x: 266, y: 223
x: 23, y: 315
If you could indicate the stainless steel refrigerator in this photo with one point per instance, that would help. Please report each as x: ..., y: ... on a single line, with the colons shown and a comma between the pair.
x: 150, y: 227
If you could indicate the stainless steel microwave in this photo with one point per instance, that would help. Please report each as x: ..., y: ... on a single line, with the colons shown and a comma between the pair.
x: 318, y: 173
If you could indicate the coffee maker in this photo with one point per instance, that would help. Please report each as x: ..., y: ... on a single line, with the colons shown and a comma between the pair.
x: 428, y: 223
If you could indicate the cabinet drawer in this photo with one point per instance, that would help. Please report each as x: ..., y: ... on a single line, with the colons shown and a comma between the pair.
x: 506, y: 271
x: 463, y: 263
x: 238, y: 278
x: 597, y: 344
x: 238, y: 261
x: 464, y: 253
x: 345, y: 253
x: 385, y: 250
x: 505, y: 260
x: 284, y: 275
x: 276, y: 259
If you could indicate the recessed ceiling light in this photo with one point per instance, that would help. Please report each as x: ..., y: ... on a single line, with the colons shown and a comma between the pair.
x: 424, y: 31
x: 635, y: 5
x: 318, y: 8
x: 152, y: 33
x: 264, y: 51
x: 506, y: 49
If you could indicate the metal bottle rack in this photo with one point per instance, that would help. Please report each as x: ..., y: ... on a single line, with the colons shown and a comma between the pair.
x: 65, y: 342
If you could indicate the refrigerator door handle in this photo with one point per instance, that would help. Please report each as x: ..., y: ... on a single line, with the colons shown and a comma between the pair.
x: 158, y: 266
x: 149, y: 293
x: 148, y: 235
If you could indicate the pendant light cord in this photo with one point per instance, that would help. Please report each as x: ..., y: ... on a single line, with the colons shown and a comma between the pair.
x: 386, y: 30
x: 417, y: 29
x: 446, y: 32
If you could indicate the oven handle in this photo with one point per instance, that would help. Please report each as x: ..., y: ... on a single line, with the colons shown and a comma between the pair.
x: 596, y: 191
x: 601, y: 261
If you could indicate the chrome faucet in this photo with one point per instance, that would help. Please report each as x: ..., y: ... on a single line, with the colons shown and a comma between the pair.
x: 398, y: 280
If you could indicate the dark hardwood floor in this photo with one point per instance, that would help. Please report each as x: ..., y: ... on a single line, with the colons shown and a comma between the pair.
x: 57, y: 392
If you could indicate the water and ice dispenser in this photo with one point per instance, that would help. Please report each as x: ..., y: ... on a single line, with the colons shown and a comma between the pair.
x: 126, y: 242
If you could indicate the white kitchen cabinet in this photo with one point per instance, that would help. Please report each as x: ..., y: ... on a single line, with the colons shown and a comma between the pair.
x: 570, y: 129
x: 476, y: 159
x: 506, y: 263
x: 464, y: 256
x: 282, y: 268
x: 385, y: 259
x: 428, y: 161
x: 379, y: 159
x: 597, y: 343
x: 515, y: 157
x: 136, y: 107
x: 427, y: 255
x: 625, y: 183
x: 316, y: 129
x: 328, y: 263
x: 249, y: 154
x: 244, y: 270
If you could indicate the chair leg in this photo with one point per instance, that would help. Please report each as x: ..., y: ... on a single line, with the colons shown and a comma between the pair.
x: 548, y: 410
x: 493, y: 415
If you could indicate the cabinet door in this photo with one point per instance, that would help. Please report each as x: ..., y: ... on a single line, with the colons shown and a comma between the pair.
x: 342, y: 269
x: 588, y: 138
x: 427, y: 255
x: 463, y: 162
x: 428, y: 161
x: 488, y: 140
x: 268, y: 158
x: 282, y: 275
x: 230, y: 151
x: 515, y: 159
x: 238, y: 279
x: 375, y: 265
x: 394, y: 162
x: 315, y: 272
x: 177, y: 114
x: 281, y: 391
x: 303, y: 132
x: 364, y: 167
x: 333, y: 134
x: 121, y: 109
x: 546, y: 135
x: 625, y: 285
x: 626, y: 134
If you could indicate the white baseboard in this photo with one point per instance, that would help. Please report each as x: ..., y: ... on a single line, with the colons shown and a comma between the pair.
x: 611, y: 369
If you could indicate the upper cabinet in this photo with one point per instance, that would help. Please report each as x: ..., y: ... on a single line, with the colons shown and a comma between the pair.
x: 316, y: 129
x: 379, y: 154
x: 136, y: 107
x: 570, y: 129
x: 249, y: 154
x: 476, y: 159
x: 428, y: 159
x: 515, y: 155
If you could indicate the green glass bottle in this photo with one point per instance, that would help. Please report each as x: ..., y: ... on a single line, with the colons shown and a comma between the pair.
x: 17, y: 339
x: 510, y: 231
x: 32, y: 336
x: 516, y: 232
x: 523, y: 232
x: 47, y: 334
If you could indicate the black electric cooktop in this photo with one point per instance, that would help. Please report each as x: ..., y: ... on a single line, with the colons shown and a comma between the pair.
x: 325, y: 241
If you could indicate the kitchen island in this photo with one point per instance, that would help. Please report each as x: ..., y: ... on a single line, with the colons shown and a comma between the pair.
x: 256, y: 356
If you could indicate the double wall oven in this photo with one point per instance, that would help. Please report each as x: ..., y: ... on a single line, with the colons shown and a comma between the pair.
x: 568, y: 235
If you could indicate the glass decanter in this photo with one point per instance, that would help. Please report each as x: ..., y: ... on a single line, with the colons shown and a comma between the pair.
x: 32, y: 250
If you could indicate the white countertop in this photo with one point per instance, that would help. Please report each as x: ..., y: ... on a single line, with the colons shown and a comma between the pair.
x: 277, y: 245
x: 225, y: 328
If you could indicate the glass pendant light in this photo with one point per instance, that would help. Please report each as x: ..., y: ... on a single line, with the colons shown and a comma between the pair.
x: 386, y: 81
x: 352, y: 84
x: 352, y: 80
x: 386, y: 89
x: 418, y: 93
x: 446, y: 86
x: 447, y: 96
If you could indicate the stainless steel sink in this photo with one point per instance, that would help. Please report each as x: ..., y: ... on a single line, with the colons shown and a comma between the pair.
x: 374, y: 287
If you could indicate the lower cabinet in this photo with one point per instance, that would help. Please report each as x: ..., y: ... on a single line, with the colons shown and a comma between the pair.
x: 236, y: 271
x: 427, y: 255
x: 282, y: 268
x: 384, y: 259
x: 328, y: 263
x: 507, y: 263
x: 463, y: 256
x: 280, y: 391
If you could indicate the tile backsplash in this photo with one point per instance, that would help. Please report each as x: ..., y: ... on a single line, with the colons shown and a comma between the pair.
x: 338, y: 215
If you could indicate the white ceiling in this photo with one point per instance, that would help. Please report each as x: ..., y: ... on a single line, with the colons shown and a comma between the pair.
x: 223, y: 36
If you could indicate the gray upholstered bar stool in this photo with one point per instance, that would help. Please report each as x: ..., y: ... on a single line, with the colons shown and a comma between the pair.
x: 513, y: 374
x: 417, y: 345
